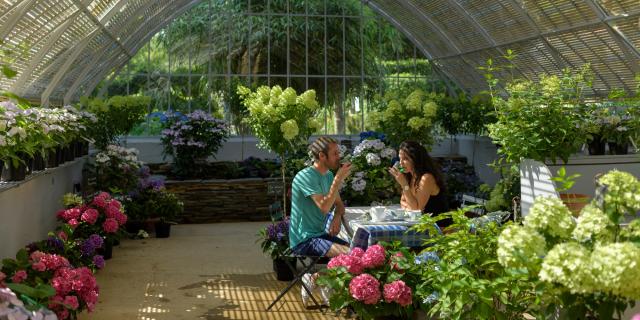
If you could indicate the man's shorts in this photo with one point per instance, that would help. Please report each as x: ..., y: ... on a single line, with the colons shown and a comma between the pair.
x: 317, y: 247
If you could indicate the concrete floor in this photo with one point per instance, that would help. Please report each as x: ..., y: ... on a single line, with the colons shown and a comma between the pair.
x: 203, y: 271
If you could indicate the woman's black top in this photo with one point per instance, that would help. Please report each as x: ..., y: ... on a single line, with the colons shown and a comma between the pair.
x: 436, y: 205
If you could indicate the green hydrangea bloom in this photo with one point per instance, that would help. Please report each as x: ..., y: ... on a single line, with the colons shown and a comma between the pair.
x: 550, y: 215
x: 289, y: 129
x: 416, y: 123
x: 592, y: 225
x: 520, y: 247
x: 288, y: 97
x: 622, y: 195
x: 616, y: 269
x: 565, y: 264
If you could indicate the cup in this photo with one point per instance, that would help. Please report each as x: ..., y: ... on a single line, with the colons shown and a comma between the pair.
x: 413, y: 215
x: 377, y: 213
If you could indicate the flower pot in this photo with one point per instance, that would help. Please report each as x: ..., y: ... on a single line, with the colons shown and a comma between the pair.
x: 68, y: 153
x: 282, y: 270
x: 596, y: 146
x: 15, y: 173
x: 38, y: 163
x: 59, y: 155
x: 163, y: 229
x: 85, y: 148
x: 107, y: 249
x: 618, y: 148
x: 77, y: 148
x: 52, y: 159
x: 575, y: 202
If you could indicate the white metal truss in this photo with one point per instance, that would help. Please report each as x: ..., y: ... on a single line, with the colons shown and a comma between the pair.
x: 554, y: 34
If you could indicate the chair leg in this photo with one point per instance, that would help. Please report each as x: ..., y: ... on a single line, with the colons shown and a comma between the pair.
x: 298, y: 278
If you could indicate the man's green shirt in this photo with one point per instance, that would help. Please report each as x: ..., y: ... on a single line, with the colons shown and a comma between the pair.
x: 307, y: 221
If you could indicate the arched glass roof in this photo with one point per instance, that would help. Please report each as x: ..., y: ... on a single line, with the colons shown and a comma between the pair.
x: 61, y: 49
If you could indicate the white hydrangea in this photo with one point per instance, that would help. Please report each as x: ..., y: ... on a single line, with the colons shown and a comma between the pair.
x: 343, y: 150
x: 102, y: 158
x: 520, y: 247
x: 615, y: 268
x: 388, y: 153
x: 358, y: 185
x: 592, y: 225
x: 373, y: 159
x: 550, y: 215
x: 566, y: 264
x: 359, y: 175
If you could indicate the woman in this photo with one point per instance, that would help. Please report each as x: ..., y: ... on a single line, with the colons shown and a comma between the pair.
x: 422, y: 183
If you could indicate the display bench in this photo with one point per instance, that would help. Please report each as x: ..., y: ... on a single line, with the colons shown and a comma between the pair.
x: 28, y: 207
x: 590, y: 166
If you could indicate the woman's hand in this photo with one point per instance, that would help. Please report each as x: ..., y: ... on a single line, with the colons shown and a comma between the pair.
x: 399, y: 176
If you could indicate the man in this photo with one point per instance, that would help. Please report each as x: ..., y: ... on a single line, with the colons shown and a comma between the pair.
x: 314, y: 193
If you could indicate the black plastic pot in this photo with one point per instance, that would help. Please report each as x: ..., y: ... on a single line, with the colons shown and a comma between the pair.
x: 107, y: 249
x: 133, y: 226
x: 163, y: 229
x: 38, y: 163
x: 597, y: 146
x: 16, y: 173
x: 618, y: 148
x: 68, y: 153
x: 52, y: 159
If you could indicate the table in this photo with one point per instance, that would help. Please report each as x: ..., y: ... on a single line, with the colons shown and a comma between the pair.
x: 364, y: 233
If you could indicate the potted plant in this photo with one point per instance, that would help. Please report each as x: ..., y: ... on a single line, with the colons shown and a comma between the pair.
x: 377, y: 283
x: 539, y: 120
x: 167, y: 208
x: 410, y: 117
x: 274, y: 241
x: 191, y: 139
x: 584, y: 268
x: 370, y: 182
x: 282, y: 120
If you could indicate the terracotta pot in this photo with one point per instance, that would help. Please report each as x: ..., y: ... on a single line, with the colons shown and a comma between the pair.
x: 575, y: 201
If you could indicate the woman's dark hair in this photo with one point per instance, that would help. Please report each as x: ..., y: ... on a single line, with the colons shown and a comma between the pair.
x: 422, y: 163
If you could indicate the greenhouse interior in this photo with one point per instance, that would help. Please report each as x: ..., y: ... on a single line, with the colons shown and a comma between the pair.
x: 319, y: 159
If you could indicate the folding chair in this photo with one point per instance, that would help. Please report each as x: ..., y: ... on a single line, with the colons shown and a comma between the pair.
x: 308, y: 264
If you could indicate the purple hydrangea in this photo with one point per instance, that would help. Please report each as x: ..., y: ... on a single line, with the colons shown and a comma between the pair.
x: 98, y: 261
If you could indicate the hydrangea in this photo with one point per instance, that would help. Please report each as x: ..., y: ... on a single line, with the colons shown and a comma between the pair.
x: 289, y: 129
x: 615, y: 268
x: 417, y: 123
x: 358, y: 185
x: 520, y: 247
x: 397, y: 291
x: 351, y: 262
x: 550, y: 215
x: 566, y: 264
x: 622, y: 194
x: 288, y: 97
x: 365, y: 288
x: 388, y: 153
x: 308, y: 99
x: 593, y: 224
x: 373, y: 159
x: 374, y: 256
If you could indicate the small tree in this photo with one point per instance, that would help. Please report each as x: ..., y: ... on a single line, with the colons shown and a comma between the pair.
x: 282, y: 121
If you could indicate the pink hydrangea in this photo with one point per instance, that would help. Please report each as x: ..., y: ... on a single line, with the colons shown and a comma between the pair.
x: 356, y: 252
x: 49, y: 261
x: 103, y: 195
x: 78, y: 282
x: 71, y: 302
x: 353, y: 264
x: 66, y: 215
x: 63, y: 236
x: 115, y: 203
x: 399, y: 292
x: 112, y: 212
x: 365, y: 288
x: 2, y: 277
x: 100, y: 202
x: 374, y: 256
x: 110, y: 225
x: 122, y: 218
x: 39, y: 266
x: 90, y: 216
x: 73, y: 223
x: 19, y: 276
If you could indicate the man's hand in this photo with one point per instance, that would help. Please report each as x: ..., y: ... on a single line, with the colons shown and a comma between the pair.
x: 335, y: 226
x: 344, y: 171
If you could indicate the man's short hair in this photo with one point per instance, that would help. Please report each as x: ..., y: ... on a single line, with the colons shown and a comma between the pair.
x: 321, y: 145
